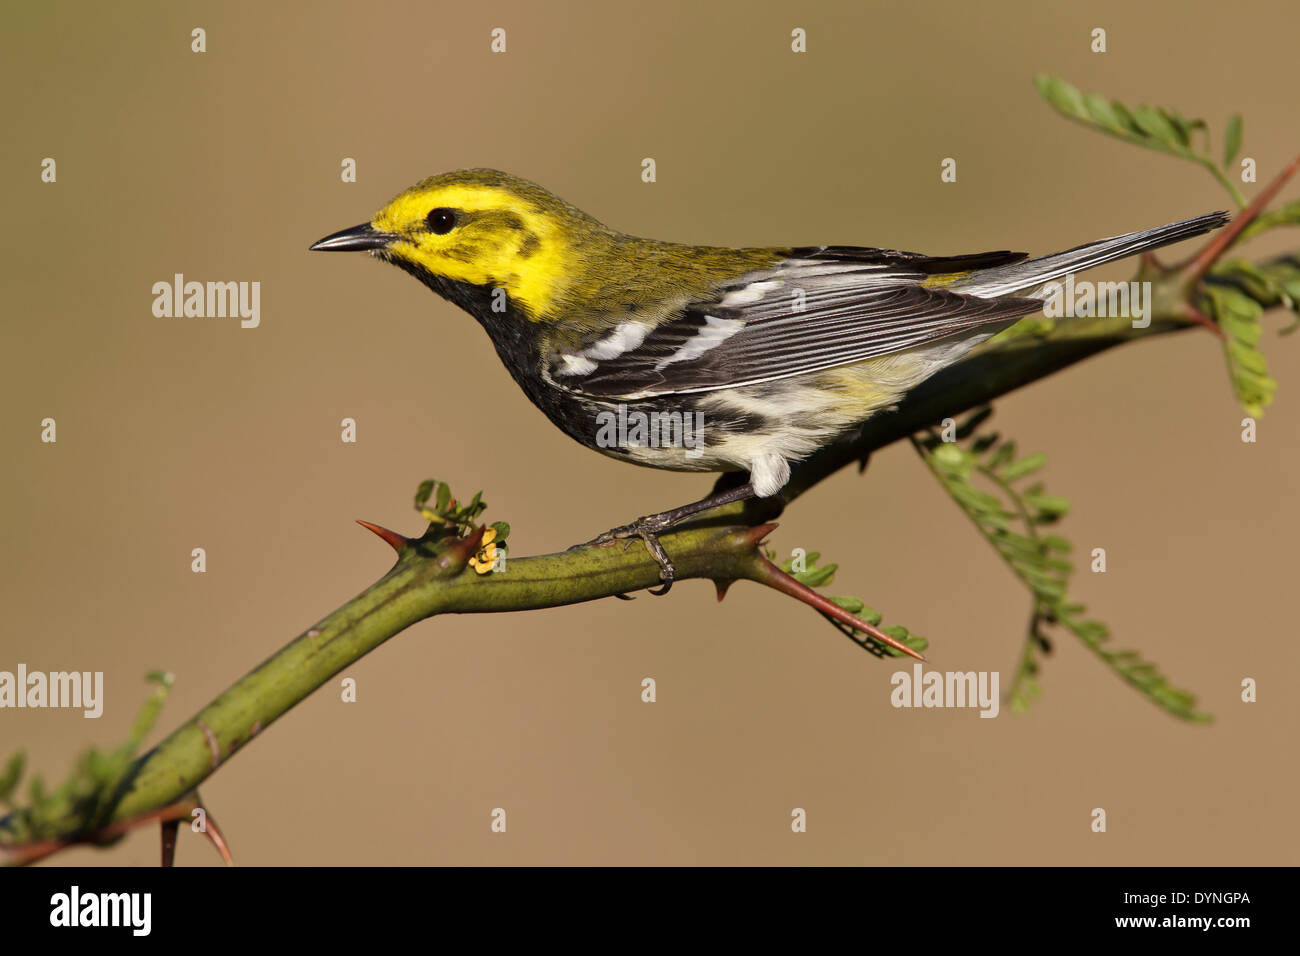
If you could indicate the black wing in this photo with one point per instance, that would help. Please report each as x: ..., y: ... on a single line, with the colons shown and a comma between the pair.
x: 820, y: 308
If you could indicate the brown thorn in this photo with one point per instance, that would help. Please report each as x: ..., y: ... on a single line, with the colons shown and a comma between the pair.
x: 459, y: 553
x: 722, y: 586
x: 777, y: 579
x: 754, y: 536
x: 1225, y: 237
x: 169, y: 828
x: 394, y: 540
x: 215, y: 837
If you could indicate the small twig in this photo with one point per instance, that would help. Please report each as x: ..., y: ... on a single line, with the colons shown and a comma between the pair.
x: 1200, y: 318
x: 1224, y: 238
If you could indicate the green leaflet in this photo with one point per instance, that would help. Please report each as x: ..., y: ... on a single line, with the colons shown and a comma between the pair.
x: 1238, y: 315
x: 1010, y: 517
x: 1159, y: 129
x: 1237, y: 301
x: 1163, y: 130
x: 447, y: 509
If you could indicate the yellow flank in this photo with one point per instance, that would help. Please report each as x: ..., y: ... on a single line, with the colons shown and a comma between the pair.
x: 527, y: 259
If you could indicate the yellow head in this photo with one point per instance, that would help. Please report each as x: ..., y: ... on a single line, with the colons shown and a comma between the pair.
x: 481, y: 228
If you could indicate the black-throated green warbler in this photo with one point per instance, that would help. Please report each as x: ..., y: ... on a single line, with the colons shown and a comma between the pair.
x: 749, y: 359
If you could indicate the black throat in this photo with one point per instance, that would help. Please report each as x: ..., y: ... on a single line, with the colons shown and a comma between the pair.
x: 512, y: 333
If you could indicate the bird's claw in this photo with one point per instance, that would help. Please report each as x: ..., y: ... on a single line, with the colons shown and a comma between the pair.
x: 647, y: 529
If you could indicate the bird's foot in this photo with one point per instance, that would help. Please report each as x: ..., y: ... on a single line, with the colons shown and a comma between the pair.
x: 648, y: 530
x: 650, y: 527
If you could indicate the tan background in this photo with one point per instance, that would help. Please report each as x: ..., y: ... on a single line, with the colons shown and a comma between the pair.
x: 175, y: 434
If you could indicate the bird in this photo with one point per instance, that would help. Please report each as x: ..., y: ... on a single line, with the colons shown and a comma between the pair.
x: 705, y: 358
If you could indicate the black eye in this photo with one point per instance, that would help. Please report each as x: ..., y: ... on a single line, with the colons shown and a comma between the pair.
x: 441, y: 220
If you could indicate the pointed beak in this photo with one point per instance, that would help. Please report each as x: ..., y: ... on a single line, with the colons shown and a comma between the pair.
x: 357, y: 239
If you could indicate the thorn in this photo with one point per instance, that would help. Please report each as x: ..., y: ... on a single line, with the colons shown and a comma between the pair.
x: 459, y: 553
x: 169, y: 828
x: 625, y: 597
x: 215, y: 837
x: 754, y: 536
x: 775, y: 578
x: 394, y: 540
x: 722, y: 586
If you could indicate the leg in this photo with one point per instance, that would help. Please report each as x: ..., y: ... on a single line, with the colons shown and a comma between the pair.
x: 650, y: 527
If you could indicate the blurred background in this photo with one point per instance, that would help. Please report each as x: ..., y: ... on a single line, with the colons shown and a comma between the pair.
x: 182, y: 433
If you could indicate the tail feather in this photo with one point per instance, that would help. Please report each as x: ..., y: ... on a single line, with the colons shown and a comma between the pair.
x: 1016, y: 277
